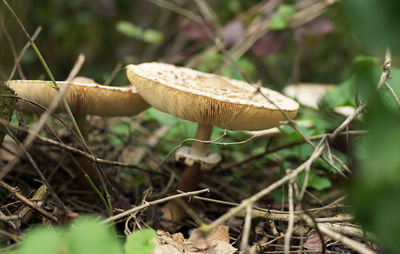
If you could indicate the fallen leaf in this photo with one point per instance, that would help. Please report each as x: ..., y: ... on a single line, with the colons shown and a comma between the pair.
x: 217, y: 242
x: 313, y: 241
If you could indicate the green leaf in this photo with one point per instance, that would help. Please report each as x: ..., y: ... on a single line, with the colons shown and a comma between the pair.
x: 44, y: 240
x: 384, y: 24
x: 121, y: 129
x: 87, y: 235
x: 286, y: 10
x: 152, y: 36
x: 277, y: 22
x: 153, y: 114
x: 139, y: 242
x: 280, y: 20
x: 131, y: 30
x: 315, y: 181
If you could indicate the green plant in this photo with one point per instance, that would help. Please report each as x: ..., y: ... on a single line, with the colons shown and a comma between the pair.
x: 84, y: 235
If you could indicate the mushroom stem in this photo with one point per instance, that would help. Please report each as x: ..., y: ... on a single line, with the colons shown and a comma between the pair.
x: 82, y: 124
x: 190, y: 178
x: 203, y: 133
x: 192, y: 174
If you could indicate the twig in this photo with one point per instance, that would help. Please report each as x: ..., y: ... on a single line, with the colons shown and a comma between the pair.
x: 244, y: 243
x: 113, y: 74
x: 317, y: 153
x: 80, y: 152
x: 393, y: 92
x: 14, y: 52
x: 26, y: 46
x: 36, y: 129
x: 6, y: 218
x: 289, y: 230
x: 49, y: 73
x: 14, y: 191
x: 386, y: 69
x: 151, y: 203
x: 38, y: 198
x: 259, y: 195
x: 43, y: 118
x: 346, y: 122
x: 352, y: 244
x: 173, y: 7
x: 37, y: 169
x: 268, y: 151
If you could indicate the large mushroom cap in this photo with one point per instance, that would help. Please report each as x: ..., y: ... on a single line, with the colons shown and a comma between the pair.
x: 208, y: 98
x: 83, y: 98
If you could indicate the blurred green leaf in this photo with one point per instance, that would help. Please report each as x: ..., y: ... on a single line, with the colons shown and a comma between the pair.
x: 131, y: 30
x: 280, y: 19
x: 286, y: 10
x: 44, y: 240
x: 84, y: 235
x: 315, y: 181
x: 87, y: 235
x: 277, y: 22
x: 153, y: 114
x: 152, y: 36
x: 120, y: 128
x: 140, y: 242
x: 128, y: 29
x: 375, y: 188
x: 376, y: 22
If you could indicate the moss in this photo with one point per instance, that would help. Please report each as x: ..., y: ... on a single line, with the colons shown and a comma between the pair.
x: 7, y: 105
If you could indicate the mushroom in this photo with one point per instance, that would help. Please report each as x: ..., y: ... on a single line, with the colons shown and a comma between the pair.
x: 309, y: 95
x: 84, y: 99
x: 210, y: 100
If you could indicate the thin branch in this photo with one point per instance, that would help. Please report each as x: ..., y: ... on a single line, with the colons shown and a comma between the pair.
x: 11, y: 43
x: 151, y: 203
x: 79, y: 152
x: 386, y: 69
x: 14, y: 191
x: 289, y: 230
x: 352, y: 244
x: 37, y: 169
x: 26, y: 46
x: 393, y: 93
x: 244, y: 244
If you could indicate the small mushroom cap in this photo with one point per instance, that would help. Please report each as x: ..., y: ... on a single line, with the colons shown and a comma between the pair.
x: 83, y: 98
x: 308, y: 94
x: 208, y: 98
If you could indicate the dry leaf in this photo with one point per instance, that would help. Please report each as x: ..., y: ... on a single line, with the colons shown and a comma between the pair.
x: 313, y: 241
x: 217, y: 242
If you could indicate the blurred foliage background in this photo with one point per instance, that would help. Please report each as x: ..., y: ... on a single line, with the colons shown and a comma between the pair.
x: 114, y: 33
x: 110, y: 32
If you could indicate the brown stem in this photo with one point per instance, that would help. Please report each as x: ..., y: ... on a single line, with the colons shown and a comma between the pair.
x: 190, y: 178
x: 85, y: 164
x: 192, y: 174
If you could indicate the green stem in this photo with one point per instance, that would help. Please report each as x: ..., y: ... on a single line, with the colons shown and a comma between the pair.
x: 107, y: 205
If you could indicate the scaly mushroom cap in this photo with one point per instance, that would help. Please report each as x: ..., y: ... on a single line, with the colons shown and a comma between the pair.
x: 83, y: 98
x: 208, y: 98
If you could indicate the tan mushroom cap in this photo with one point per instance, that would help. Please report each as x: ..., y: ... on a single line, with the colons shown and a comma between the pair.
x: 308, y: 94
x: 208, y: 98
x: 83, y: 98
